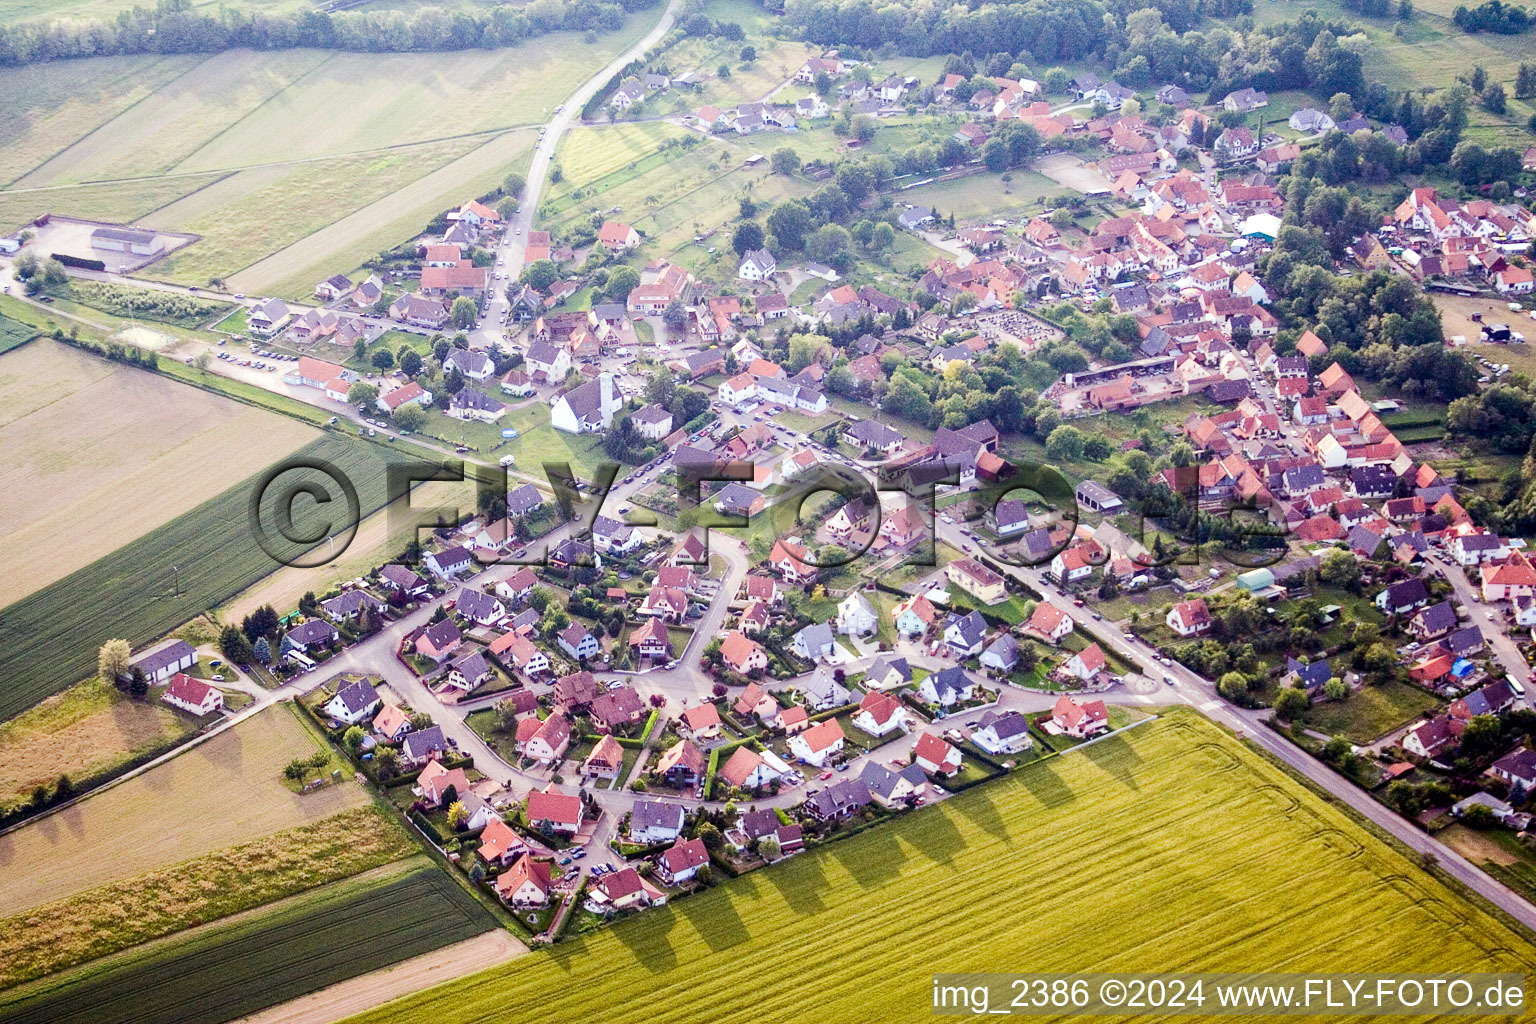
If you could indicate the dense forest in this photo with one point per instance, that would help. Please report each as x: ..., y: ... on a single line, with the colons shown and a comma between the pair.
x: 1144, y: 42
x: 172, y: 26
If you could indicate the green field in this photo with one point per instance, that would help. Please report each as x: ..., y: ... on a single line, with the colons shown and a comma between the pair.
x: 1002, y: 878
x: 230, y: 970
x: 14, y: 333
x: 134, y: 592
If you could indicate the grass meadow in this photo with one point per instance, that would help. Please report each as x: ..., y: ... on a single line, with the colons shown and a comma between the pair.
x: 293, y: 270
x: 232, y: 969
x: 87, y: 731
x: 323, y: 158
x: 223, y: 792
x: 997, y: 879
x: 103, y: 453
x: 120, y: 915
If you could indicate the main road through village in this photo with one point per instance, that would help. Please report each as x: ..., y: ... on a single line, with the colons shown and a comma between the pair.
x: 686, y: 684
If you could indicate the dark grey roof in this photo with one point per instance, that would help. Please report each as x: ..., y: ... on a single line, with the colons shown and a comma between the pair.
x: 1373, y: 479
x: 1011, y: 511
x: 872, y: 434
x: 312, y: 631
x: 880, y: 666
x: 1489, y: 699
x: 401, y: 576
x: 1310, y: 674
x: 1406, y: 592
x: 1437, y: 618
x: 350, y: 602
x: 1519, y: 763
x: 736, y: 497
x: 649, y: 813
x: 1005, y: 725
x: 467, y: 361
x: 817, y: 636
x: 840, y: 797
x: 880, y: 780
x: 166, y: 656
x: 424, y: 742
x: 1463, y: 641
x: 521, y: 500
x: 456, y: 555
x: 442, y: 633
x: 470, y: 398
x: 472, y: 666
x: 757, y: 824
x: 357, y: 696
x: 1005, y: 648
x: 971, y: 626
x: 952, y: 680
x: 475, y: 604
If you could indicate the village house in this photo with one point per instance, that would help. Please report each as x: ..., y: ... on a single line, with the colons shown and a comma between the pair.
x: 1079, y: 721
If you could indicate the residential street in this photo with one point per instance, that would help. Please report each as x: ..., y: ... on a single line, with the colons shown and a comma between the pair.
x: 1487, y: 620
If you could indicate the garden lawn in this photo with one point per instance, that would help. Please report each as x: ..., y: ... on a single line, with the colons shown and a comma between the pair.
x: 1371, y: 712
x: 1283, y: 878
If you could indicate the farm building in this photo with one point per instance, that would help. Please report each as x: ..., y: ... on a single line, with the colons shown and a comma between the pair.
x: 140, y: 243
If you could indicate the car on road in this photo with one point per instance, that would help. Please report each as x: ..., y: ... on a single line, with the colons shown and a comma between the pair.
x: 824, y: 776
x: 1168, y: 679
x: 1078, y: 602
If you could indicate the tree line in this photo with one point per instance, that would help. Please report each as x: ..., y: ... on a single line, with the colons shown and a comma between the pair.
x: 172, y: 26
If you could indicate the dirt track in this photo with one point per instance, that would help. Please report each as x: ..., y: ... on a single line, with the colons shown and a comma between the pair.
x: 369, y: 990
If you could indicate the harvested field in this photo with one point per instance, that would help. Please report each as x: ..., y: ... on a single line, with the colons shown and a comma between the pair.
x: 228, y: 970
x: 105, y: 453
x: 227, y: 790
x: 1282, y: 878
x: 1072, y: 172
x: 133, y: 592
x: 114, y: 917
x: 84, y: 732
x: 152, y: 137
x: 369, y: 990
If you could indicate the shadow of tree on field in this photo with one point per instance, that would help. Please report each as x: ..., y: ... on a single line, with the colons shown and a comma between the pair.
x: 800, y: 882
x: 1116, y: 757
x: 715, y: 917
x: 1046, y: 786
x: 934, y: 835
x: 979, y: 807
x: 873, y: 857
x: 649, y: 939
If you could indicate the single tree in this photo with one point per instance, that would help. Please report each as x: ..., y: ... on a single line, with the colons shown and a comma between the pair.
x: 112, y: 659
